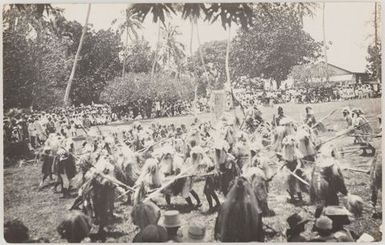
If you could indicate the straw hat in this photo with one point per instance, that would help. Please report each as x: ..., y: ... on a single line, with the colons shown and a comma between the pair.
x: 336, y: 211
x: 171, y: 219
x: 195, y: 232
x: 324, y: 223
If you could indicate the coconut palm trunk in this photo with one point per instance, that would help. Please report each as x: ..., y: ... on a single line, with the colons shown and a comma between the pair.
x: 378, y: 64
x: 156, y: 52
x: 125, y: 58
x: 324, y: 42
x: 70, y: 80
x: 199, y: 46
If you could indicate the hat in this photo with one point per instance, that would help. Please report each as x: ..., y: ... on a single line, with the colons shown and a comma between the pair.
x: 324, y: 223
x: 195, y: 232
x: 171, y: 219
x: 358, y: 111
x: 365, y: 238
x: 296, y: 220
x: 152, y: 233
x: 336, y: 211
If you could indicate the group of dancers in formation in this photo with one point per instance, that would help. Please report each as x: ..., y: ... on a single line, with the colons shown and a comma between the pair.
x: 238, y: 161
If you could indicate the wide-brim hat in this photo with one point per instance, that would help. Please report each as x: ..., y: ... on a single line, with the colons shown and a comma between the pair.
x: 336, y: 211
x: 171, y: 219
x: 193, y: 233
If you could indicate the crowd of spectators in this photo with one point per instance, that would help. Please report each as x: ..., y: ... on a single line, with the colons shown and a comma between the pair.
x: 27, y: 130
x: 306, y: 95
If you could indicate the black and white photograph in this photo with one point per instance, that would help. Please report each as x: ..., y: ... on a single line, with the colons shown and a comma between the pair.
x: 192, y: 122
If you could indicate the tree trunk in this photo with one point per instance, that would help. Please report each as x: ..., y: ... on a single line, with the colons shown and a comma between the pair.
x: 199, y: 47
x: 156, y: 52
x: 378, y: 61
x: 324, y: 41
x: 375, y: 24
x: 227, y: 58
x: 69, y: 83
x: 124, y: 57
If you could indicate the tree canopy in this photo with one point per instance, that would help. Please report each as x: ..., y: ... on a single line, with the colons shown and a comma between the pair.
x: 141, y: 86
x: 272, y: 47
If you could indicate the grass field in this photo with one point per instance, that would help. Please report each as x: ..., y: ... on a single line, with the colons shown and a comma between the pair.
x: 41, y: 211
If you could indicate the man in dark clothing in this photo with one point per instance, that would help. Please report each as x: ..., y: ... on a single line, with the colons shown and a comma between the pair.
x: 277, y: 119
x: 297, y: 226
x: 327, y: 181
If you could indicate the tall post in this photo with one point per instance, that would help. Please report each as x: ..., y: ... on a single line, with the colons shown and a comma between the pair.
x: 324, y: 41
x: 378, y: 61
x: 70, y: 80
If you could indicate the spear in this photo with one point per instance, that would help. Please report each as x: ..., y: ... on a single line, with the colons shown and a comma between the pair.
x: 338, y: 135
x: 180, y: 175
x: 325, y: 117
x: 297, y: 177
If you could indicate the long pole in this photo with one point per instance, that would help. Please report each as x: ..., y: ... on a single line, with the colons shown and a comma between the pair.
x: 378, y: 64
x: 70, y: 80
x: 324, y: 42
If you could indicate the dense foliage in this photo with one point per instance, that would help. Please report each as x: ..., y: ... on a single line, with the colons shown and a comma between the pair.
x: 141, y: 86
x: 272, y: 46
x: 38, y: 54
x: 374, y: 62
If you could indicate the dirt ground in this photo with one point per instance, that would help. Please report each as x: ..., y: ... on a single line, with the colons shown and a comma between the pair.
x: 41, y: 211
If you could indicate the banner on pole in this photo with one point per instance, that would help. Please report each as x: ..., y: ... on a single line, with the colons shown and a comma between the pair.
x: 218, y: 102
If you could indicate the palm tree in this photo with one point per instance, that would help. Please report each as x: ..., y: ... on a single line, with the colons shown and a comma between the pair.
x: 171, y: 51
x: 130, y: 26
x: 70, y: 80
x: 378, y: 64
x: 324, y: 42
x: 159, y: 11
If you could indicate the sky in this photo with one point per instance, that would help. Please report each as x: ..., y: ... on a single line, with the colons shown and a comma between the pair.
x: 348, y: 27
